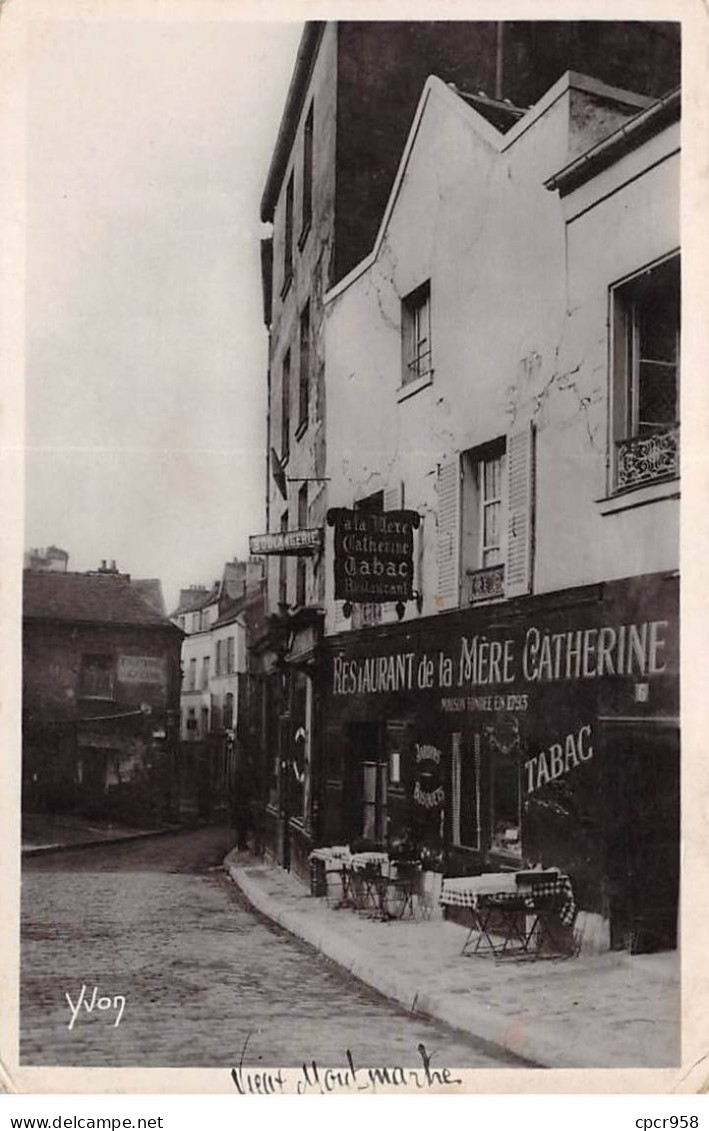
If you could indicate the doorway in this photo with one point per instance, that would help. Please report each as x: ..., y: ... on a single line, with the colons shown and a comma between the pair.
x: 365, y: 784
x: 643, y: 836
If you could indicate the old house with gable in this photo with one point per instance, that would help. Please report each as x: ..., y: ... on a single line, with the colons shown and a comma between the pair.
x: 504, y: 365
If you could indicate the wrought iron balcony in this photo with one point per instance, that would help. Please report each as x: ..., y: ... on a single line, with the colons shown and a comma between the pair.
x: 483, y: 584
x: 645, y: 459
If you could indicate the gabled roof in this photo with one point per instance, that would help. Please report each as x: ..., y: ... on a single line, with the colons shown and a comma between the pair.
x: 96, y: 598
x: 192, y: 602
x: 475, y: 111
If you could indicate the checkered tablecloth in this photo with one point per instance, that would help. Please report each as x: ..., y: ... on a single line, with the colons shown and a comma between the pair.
x: 560, y: 889
x: 362, y: 859
x: 474, y: 891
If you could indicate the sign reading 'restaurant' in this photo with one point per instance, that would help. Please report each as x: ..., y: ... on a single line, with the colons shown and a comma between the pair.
x: 540, y: 656
x: 374, y: 553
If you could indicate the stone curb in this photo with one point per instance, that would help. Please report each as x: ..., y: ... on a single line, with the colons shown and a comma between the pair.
x: 542, y: 1047
x: 45, y: 849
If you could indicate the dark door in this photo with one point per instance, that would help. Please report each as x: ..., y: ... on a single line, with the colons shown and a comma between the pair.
x: 363, y: 802
x: 643, y: 836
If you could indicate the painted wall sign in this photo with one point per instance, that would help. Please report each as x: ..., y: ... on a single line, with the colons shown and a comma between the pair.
x: 538, y: 657
x: 428, y: 790
x: 287, y: 542
x: 373, y: 554
x: 141, y: 669
x: 559, y: 758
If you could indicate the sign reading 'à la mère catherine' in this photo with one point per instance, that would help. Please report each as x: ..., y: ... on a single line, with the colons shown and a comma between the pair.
x: 373, y: 554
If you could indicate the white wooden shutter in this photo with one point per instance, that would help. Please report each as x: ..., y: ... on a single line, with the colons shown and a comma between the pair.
x: 393, y: 501
x: 394, y: 497
x: 520, y: 512
x: 448, y: 536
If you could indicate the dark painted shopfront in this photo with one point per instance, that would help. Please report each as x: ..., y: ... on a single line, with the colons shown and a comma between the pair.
x: 541, y: 731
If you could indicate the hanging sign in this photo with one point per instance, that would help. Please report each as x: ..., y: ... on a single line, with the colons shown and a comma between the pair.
x: 287, y: 542
x: 374, y: 554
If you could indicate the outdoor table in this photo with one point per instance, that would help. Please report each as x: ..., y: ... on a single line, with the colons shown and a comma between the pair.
x: 327, y: 862
x: 365, y: 878
x: 511, y: 898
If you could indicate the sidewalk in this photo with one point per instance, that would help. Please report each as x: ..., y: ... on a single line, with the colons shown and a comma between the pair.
x: 612, y: 1011
x: 44, y: 833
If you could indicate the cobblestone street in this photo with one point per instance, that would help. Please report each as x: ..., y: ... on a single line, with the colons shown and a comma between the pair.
x: 158, y: 922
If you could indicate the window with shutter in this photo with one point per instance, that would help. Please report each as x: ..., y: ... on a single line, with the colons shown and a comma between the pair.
x: 520, y: 503
x: 483, y: 527
x: 448, y: 538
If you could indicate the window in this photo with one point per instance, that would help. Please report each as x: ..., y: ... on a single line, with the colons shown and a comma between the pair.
x: 288, y: 238
x: 219, y: 658
x: 304, y: 389
x: 302, y: 566
x: 192, y: 677
x: 505, y: 804
x: 483, y: 519
x: 285, y: 408
x: 230, y: 654
x: 228, y: 711
x: 204, y: 722
x: 307, y: 175
x: 216, y: 715
x: 465, y: 797
x: 205, y: 673
x: 182, y: 623
x: 96, y: 679
x: 283, y: 567
x: 416, y: 334
x: 646, y: 358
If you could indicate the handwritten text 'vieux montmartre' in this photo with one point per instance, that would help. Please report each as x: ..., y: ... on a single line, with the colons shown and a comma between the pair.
x: 313, y: 1078
x: 587, y: 653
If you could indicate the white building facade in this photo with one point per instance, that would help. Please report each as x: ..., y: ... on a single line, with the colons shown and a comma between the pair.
x: 505, y: 364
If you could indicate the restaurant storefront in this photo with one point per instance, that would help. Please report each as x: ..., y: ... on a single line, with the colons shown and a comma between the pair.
x: 539, y: 731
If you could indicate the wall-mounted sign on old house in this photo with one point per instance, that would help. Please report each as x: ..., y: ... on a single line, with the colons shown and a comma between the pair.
x: 287, y: 542
x: 374, y: 554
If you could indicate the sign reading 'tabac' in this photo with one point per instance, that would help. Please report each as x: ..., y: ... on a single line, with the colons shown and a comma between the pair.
x: 373, y: 555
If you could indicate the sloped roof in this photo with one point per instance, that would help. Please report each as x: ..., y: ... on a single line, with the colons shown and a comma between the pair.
x: 149, y: 589
x: 192, y: 602
x: 96, y: 598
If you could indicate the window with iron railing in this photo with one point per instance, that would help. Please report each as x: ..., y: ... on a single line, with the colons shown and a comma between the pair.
x: 646, y: 367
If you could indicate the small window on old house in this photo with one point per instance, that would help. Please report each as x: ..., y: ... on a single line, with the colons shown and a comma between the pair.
x: 285, y: 408
x: 307, y: 175
x: 288, y: 237
x: 416, y: 334
x: 96, y: 681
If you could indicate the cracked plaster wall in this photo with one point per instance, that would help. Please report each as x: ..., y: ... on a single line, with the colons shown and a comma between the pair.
x: 518, y: 335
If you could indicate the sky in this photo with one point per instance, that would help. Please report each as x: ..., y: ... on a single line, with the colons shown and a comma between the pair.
x: 148, y: 145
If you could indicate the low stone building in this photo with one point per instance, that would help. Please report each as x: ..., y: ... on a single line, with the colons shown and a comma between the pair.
x: 101, y: 688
